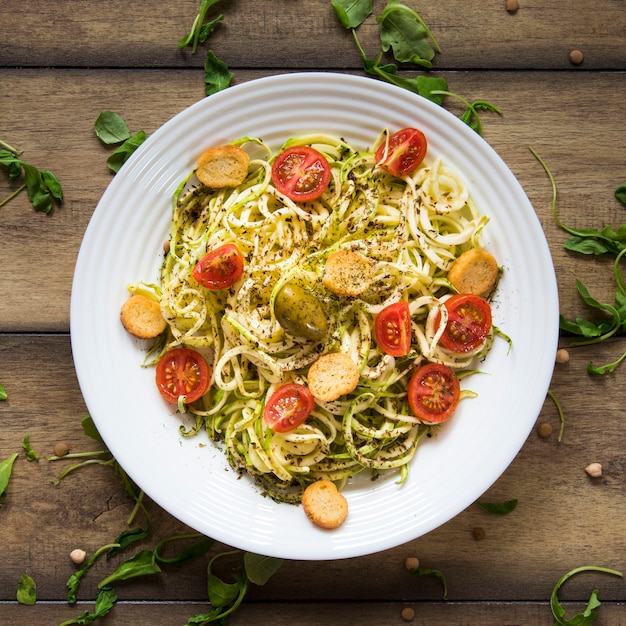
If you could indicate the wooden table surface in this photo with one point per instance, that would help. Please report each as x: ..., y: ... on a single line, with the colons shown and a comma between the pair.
x: 63, y: 62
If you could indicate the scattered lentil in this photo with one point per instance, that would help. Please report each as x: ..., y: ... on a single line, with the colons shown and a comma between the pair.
x: 78, y: 556
x: 562, y: 355
x: 511, y: 5
x: 407, y: 614
x: 411, y: 563
x: 478, y: 533
x: 61, y: 448
x: 544, y: 430
x: 576, y: 57
x: 594, y: 470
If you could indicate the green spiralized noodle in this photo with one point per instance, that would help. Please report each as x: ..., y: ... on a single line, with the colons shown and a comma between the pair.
x: 411, y: 228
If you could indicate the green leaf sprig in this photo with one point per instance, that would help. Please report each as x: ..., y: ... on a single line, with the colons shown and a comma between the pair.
x: 42, y: 186
x: 404, y: 33
x: 6, y: 467
x: 111, y: 129
x: 497, y: 508
x: 31, y: 455
x: 26, y: 590
x: 419, y: 571
x: 200, y: 29
x: 3, y: 393
x: 593, y: 241
x: 590, y: 614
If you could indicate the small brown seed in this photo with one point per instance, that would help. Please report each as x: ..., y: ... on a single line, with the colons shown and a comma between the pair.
x: 407, y: 614
x: 166, y: 246
x: 544, y: 430
x: 594, y: 470
x: 511, y: 5
x: 576, y: 57
x: 562, y: 356
x: 61, y: 448
x: 411, y: 563
x: 478, y: 533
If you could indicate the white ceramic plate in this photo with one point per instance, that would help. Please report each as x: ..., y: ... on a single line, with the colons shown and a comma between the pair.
x: 190, y: 478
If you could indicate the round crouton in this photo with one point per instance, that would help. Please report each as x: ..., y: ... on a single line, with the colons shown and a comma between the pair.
x: 324, y: 505
x: 475, y: 271
x: 226, y: 166
x: 332, y: 376
x: 347, y: 273
x: 142, y: 317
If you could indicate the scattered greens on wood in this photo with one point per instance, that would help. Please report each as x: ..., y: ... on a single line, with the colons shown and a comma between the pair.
x: 6, y: 467
x: 26, y: 590
x: 105, y: 600
x: 200, y: 29
x: 216, y: 74
x: 612, y: 319
x: 432, y: 572
x: 590, y: 614
x: 3, y: 393
x: 42, y: 186
x: 31, y: 455
x: 559, y: 409
x: 404, y: 33
x: 499, y: 508
x: 111, y: 129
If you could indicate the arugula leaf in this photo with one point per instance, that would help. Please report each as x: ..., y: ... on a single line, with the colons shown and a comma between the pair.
x: 42, y: 186
x: 199, y: 29
x: 104, y: 603
x: 6, y: 467
x: 352, y: 13
x: 620, y: 193
x: 432, y: 572
x: 589, y: 615
x: 216, y: 74
x: 141, y: 564
x: 119, y: 156
x: 500, y: 508
x: 31, y: 455
x: 26, y: 590
x: 189, y: 553
x: 3, y: 393
x: 405, y: 32
x: 111, y: 128
x: 259, y: 569
x: 89, y: 428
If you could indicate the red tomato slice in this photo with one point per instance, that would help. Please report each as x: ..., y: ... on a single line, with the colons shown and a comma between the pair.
x: 469, y: 323
x: 301, y: 173
x: 434, y: 392
x: 220, y: 268
x: 404, y: 151
x: 182, y: 372
x: 392, y: 329
x: 288, y: 407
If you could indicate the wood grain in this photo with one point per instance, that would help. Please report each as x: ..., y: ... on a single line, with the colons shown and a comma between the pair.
x: 62, y: 63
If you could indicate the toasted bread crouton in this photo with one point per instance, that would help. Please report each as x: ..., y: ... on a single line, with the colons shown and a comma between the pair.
x: 142, y: 317
x: 324, y: 505
x: 332, y: 376
x: 347, y: 273
x: 475, y: 271
x: 226, y: 166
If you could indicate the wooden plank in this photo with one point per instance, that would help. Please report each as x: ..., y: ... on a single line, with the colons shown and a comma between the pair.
x: 579, y: 137
x: 564, y: 519
x: 317, y: 614
x: 539, y: 35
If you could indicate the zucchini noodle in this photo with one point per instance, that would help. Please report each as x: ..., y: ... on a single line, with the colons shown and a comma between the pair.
x: 411, y: 229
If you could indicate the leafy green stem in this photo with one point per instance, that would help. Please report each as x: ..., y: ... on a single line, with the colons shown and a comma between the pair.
x: 559, y: 409
x: 12, y: 195
x: 6, y: 146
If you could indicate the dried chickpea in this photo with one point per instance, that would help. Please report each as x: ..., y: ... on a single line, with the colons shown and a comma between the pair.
x: 562, y: 355
x: 544, y: 430
x: 576, y: 57
x: 407, y: 614
x: 411, y: 563
x: 511, y: 5
x: 594, y: 470
x: 78, y: 556
x: 61, y: 448
x: 478, y: 533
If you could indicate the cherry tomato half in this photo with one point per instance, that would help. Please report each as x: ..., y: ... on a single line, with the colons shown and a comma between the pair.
x: 301, y: 173
x: 433, y: 392
x: 182, y: 372
x: 392, y: 329
x: 469, y: 323
x: 220, y: 268
x: 405, y: 150
x: 288, y: 407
